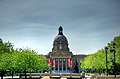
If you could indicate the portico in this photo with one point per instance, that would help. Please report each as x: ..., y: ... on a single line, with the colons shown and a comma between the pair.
x: 61, y: 61
x: 61, y: 64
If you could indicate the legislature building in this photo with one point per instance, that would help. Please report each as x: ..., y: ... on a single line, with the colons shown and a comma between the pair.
x: 61, y: 59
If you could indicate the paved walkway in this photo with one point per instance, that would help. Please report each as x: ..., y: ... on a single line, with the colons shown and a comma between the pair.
x: 45, y: 77
x: 86, y: 77
x: 9, y: 77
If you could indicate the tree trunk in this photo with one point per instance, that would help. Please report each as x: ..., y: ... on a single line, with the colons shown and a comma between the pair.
x: 12, y: 74
x: 2, y: 74
x: 20, y: 74
x: 30, y: 74
x: 25, y: 74
x: 100, y: 71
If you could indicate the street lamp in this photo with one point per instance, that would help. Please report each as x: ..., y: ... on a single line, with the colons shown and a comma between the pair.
x: 113, y: 50
x: 106, y: 49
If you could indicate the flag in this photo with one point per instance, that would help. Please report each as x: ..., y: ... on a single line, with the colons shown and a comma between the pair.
x: 53, y: 63
x: 69, y: 62
x: 48, y: 61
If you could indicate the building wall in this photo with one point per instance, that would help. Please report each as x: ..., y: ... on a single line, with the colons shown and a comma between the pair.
x: 74, y: 58
x: 78, y: 58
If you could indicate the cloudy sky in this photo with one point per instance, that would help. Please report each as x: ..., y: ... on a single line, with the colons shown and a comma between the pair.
x: 88, y: 24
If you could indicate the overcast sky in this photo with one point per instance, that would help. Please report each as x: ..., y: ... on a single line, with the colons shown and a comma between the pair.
x: 88, y: 24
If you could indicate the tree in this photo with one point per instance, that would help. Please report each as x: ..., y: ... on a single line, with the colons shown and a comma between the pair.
x: 117, y: 41
x: 5, y: 47
x: 23, y: 59
x: 97, y: 60
x: 26, y: 59
x: 29, y: 60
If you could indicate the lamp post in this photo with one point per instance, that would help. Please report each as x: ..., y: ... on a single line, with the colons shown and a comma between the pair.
x: 106, y: 49
x: 114, y: 63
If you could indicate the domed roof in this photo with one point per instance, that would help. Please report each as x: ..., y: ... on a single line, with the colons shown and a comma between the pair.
x: 60, y: 37
x: 60, y: 43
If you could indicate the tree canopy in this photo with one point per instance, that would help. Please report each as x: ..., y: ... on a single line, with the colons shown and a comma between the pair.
x: 98, y: 59
x: 5, y: 47
x: 20, y: 59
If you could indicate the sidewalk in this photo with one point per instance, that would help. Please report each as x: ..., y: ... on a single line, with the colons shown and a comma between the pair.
x: 5, y: 77
x: 87, y: 77
x: 91, y: 76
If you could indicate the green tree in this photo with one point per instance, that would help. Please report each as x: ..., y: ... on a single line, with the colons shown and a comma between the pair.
x: 26, y: 59
x: 30, y: 60
x: 87, y: 62
x: 23, y: 59
x: 117, y: 41
x: 97, y: 60
x: 5, y: 47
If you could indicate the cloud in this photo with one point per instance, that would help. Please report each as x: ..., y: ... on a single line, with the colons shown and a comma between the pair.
x: 83, y: 21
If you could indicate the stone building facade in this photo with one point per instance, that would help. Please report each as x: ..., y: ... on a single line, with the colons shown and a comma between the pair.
x: 61, y: 58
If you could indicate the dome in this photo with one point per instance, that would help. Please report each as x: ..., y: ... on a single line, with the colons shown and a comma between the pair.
x: 60, y: 42
x: 61, y: 38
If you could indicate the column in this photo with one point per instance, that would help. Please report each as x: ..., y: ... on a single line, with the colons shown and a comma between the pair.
x: 58, y: 64
x: 62, y: 64
x: 66, y: 64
